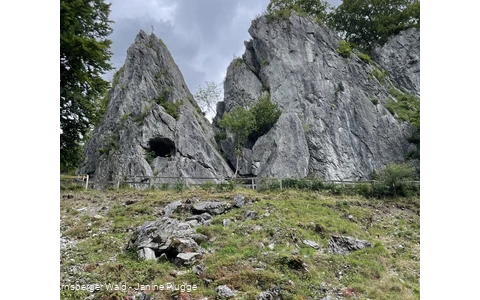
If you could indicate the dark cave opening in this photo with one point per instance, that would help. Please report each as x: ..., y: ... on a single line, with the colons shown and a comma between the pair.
x: 162, y: 147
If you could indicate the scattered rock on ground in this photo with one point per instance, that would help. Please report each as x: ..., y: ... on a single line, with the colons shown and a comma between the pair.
x: 187, y: 258
x: 211, y: 207
x: 345, y: 244
x: 271, y: 294
x: 224, y: 291
x: 226, y: 222
x: 239, y: 201
x: 250, y: 215
x: 310, y: 243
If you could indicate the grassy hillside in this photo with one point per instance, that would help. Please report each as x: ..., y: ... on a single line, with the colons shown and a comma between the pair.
x: 249, y: 256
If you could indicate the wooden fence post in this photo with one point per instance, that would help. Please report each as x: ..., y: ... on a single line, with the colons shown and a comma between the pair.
x: 86, y: 182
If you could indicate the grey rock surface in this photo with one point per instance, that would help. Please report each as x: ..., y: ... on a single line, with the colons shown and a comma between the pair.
x: 239, y: 201
x: 250, y: 215
x: 283, y: 151
x: 224, y: 292
x: 187, y: 259
x: 325, y: 99
x: 312, y: 244
x: 400, y: 57
x: 211, y: 207
x: 271, y: 294
x: 164, y: 236
x: 138, y: 136
x: 345, y: 244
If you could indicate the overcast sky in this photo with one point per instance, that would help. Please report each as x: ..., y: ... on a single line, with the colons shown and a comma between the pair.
x: 203, y: 36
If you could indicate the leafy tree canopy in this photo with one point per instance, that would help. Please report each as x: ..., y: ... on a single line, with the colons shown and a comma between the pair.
x: 84, y: 56
x: 316, y: 9
x: 365, y: 22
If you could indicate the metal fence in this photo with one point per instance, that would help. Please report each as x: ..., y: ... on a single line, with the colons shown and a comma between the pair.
x: 165, y: 182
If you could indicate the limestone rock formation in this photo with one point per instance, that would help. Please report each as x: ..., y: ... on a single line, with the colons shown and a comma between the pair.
x: 334, y: 124
x: 400, y: 57
x: 152, y: 125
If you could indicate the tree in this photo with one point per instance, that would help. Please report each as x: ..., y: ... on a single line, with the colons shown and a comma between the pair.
x: 240, y: 122
x: 316, y: 9
x: 395, y: 177
x: 208, y: 97
x: 366, y: 22
x: 84, y: 56
x: 265, y: 113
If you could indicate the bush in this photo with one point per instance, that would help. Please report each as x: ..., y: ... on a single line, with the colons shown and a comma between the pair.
x: 374, y: 100
x: 171, y: 108
x: 344, y: 49
x: 265, y: 114
x: 379, y: 74
x: 364, y: 57
x: 179, y: 186
x: 208, y: 186
x: 227, y: 186
x: 406, y: 107
x: 395, y: 179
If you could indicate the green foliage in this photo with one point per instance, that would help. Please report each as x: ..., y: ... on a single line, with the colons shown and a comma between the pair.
x: 395, y: 179
x: 379, y: 74
x: 374, y: 100
x: 265, y: 115
x: 124, y: 117
x: 240, y: 122
x: 225, y: 186
x: 171, y: 108
x: 110, y: 145
x: 237, y: 62
x: 84, y: 57
x: 141, y: 117
x: 281, y: 9
x: 195, y: 104
x: 366, y: 22
x: 264, y: 62
x: 180, y: 186
x: 344, y: 49
x: 220, y: 136
x: 115, y: 76
x: 149, y: 157
x: 406, y: 107
x: 208, y: 186
x: 364, y: 57
x: 278, y: 15
x: 208, y: 97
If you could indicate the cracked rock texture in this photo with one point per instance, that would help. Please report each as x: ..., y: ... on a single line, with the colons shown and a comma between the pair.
x: 330, y: 126
x: 400, y: 57
x: 137, y: 137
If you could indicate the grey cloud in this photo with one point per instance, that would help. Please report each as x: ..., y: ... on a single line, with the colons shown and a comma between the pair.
x: 202, y: 35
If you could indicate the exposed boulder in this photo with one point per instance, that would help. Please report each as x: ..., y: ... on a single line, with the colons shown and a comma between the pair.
x: 328, y: 103
x: 211, y: 207
x: 345, y: 244
x: 164, y: 236
x: 271, y: 294
x: 152, y: 124
x: 224, y: 292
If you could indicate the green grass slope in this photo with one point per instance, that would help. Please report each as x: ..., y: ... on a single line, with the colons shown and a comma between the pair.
x: 249, y: 256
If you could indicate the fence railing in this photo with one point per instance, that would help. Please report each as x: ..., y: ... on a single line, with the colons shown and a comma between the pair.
x: 165, y: 182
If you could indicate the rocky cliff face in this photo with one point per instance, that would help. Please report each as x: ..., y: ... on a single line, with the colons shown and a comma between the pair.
x: 334, y: 124
x: 400, y: 57
x: 152, y: 126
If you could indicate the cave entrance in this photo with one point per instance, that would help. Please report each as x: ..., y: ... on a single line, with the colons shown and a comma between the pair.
x: 162, y: 147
